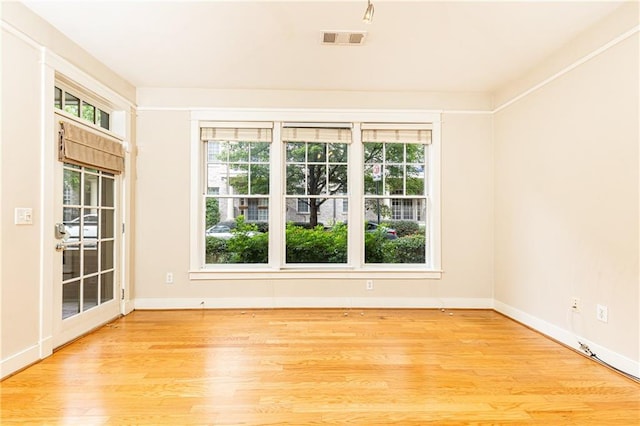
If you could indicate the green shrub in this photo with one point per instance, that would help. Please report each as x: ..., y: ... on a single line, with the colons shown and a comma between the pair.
x: 409, y: 249
x: 247, y: 245
x: 216, y: 250
x: 212, y: 212
x: 404, y: 227
x: 374, y: 246
x: 316, y: 245
x: 244, y: 248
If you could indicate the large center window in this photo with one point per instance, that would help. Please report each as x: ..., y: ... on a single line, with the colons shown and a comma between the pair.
x: 287, y: 197
x: 316, y: 164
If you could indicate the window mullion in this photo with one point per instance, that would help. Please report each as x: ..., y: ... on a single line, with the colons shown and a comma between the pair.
x: 277, y: 201
x: 355, y: 195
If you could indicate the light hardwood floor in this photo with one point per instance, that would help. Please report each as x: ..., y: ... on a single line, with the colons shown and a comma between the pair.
x: 318, y: 366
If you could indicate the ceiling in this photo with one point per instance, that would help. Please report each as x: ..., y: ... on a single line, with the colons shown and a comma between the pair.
x: 410, y: 45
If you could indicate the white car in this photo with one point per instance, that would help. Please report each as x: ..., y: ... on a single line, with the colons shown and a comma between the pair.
x: 219, y: 231
x: 89, y: 229
x: 224, y: 232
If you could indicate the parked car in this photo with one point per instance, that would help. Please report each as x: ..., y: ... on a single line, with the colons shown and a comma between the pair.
x: 372, y: 227
x: 89, y: 229
x: 219, y: 231
x: 225, y: 232
x: 390, y: 233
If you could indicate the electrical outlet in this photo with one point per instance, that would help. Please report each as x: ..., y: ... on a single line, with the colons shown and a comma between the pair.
x: 575, y: 304
x: 169, y: 278
x: 602, y: 313
x: 369, y: 284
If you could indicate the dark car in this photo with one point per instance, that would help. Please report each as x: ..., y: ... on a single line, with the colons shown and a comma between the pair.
x: 390, y: 233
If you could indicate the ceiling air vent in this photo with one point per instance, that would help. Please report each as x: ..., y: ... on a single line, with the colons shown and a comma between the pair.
x: 344, y: 38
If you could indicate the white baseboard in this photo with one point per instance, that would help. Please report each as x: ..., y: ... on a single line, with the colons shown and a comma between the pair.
x: 20, y: 360
x: 568, y: 338
x: 46, y: 347
x: 313, y: 302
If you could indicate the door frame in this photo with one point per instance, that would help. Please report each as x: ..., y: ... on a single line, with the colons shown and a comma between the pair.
x: 122, y: 115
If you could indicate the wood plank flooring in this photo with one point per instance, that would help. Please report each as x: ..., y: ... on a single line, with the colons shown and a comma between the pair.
x: 318, y: 366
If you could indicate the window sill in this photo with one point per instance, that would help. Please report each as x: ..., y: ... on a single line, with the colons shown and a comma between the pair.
x: 315, y: 272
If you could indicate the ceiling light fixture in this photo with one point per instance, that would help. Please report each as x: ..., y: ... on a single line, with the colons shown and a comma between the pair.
x: 368, y: 14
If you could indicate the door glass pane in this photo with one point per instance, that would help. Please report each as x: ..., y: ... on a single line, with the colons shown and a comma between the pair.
x: 107, y: 224
x: 106, y: 256
x: 90, y: 227
x: 71, y: 187
x: 71, y: 220
x: 70, y: 299
x: 106, y: 287
x: 90, y: 293
x: 90, y: 259
x: 90, y: 190
x: 107, y: 192
x: 71, y: 262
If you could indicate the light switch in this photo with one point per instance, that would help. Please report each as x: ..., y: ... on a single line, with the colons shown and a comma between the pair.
x: 23, y: 216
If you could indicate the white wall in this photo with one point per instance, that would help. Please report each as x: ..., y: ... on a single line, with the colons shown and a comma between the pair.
x: 20, y: 169
x: 163, y: 187
x: 566, y: 204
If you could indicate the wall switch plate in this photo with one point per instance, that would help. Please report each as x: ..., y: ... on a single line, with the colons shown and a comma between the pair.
x: 23, y: 216
x: 602, y: 313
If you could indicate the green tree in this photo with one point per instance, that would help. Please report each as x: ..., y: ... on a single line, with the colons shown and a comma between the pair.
x: 212, y: 212
x: 249, y: 162
x: 316, y: 169
x: 402, y: 172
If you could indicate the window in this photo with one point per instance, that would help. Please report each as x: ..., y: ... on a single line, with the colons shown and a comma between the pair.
x: 396, y: 192
x: 71, y: 104
x: 80, y: 107
x: 303, y: 205
x: 237, y: 194
x: 355, y: 196
x: 316, y: 166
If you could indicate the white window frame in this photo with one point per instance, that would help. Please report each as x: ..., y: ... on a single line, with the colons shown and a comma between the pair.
x: 276, y: 268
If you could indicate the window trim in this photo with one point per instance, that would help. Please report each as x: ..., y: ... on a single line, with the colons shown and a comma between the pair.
x: 276, y: 268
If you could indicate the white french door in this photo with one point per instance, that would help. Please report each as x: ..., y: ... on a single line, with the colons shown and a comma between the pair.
x: 86, y: 269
